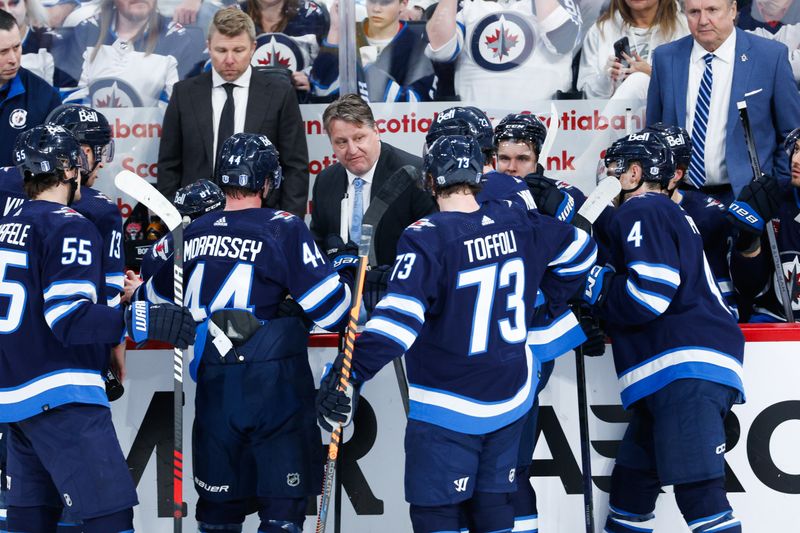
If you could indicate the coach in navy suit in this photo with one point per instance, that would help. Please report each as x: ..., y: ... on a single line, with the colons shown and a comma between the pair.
x: 743, y: 67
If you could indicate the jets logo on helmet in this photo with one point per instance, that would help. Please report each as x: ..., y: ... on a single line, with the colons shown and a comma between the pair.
x: 451, y: 160
x: 248, y: 160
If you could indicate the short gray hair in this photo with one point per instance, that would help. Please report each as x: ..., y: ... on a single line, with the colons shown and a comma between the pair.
x: 349, y: 108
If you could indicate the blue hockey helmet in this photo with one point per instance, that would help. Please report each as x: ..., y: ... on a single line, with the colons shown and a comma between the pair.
x: 521, y: 127
x: 45, y: 149
x: 248, y: 160
x: 677, y: 139
x: 791, y: 141
x: 647, y: 149
x: 89, y: 126
x: 199, y: 198
x: 451, y: 160
x: 468, y: 121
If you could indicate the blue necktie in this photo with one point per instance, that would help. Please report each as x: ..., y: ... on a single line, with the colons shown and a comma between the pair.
x: 358, y: 210
x: 697, y: 166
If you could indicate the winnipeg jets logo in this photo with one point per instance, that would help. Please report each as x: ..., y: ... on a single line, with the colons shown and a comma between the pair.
x: 161, y: 249
x: 421, y: 223
x: 791, y: 277
x: 282, y: 215
x: 502, y: 41
x: 278, y: 50
x: 113, y: 92
x: 18, y: 119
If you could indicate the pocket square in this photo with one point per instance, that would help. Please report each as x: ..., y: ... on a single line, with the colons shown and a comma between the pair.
x: 751, y: 93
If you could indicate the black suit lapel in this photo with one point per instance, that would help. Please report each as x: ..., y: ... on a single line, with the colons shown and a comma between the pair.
x: 201, y: 104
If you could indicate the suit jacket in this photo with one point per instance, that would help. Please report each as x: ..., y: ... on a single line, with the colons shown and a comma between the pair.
x: 186, y: 152
x: 762, y: 77
x: 412, y: 204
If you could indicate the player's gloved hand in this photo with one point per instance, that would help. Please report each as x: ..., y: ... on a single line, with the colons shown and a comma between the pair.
x: 341, y: 254
x: 597, y: 284
x: 336, y: 406
x: 550, y: 200
x: 290, y: 308
x: 160, y: 322
x: 595, y: 343
x: 375, y: 282
x: 756, y: 204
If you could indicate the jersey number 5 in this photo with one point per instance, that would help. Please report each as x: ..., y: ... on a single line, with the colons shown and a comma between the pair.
x: 488, y: 279
x: 13, y: 290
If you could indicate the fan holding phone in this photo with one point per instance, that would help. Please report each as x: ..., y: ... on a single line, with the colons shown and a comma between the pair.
x: 617, y: 47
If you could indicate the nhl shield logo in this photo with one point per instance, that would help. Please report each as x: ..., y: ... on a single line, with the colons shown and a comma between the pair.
x: 18, y: 119
x: 293, y: 479
x: 278, y: 50
x: 502, y: 41
x: 113, y: 92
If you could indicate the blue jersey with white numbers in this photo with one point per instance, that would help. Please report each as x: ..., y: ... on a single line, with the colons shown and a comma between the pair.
x: 664, y: 312
x: 709, y: 217
x: 252, y: 259
x: 53, y: 336
x: 11, y: 192
x: 459, y: 303
x: 105, y: 215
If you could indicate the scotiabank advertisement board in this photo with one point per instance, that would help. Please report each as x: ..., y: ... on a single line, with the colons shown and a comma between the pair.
x: 762, y: 447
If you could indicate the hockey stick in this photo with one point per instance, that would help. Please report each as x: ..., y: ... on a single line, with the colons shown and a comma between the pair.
x: 550, y: 138
x: 344, y: 380
x: 773, y: 243
x: 143, y: 192
x: 601, y: 196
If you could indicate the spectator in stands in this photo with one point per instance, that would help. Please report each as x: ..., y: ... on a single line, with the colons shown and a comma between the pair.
x: 696, y: 82
x: 233, y: 98
x: 646, y: 24
x: 771, y: 15
x: 129, y: 55
x: 392, y: 66
x: 368, y: 170
x: 506, y: 53
x: 25, y: 98
x: 38, y: 40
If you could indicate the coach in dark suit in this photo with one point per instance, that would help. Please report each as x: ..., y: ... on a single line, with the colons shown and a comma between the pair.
x: 207, y: 109
x: 375, y: 181
x: 696, y: 83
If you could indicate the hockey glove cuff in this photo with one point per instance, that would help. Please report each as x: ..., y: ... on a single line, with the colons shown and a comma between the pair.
x: 334, y: 406
x: 341, y: 254
x: 595, y: 343
x: 597, y: 284
x: 160, y: 322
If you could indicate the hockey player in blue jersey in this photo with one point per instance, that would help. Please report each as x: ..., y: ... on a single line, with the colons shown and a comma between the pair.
x: 62, y: 449
x: 677, y: 349
x: 477, y: 268
x: 760, y: 203
x: 707, y: 212
x: 258, y: 448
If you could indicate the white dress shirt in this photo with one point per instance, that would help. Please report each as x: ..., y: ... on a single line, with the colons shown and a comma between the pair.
x: 219, y: 96
x: 365, y: 192
x: 722, y: 70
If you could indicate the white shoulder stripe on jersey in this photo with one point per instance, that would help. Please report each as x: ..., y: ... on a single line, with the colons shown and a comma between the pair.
x: 336, y: 314
x: 723, y: 526
x: 528, y: 524
x: 70, y: 289
x: 688, y: 355
x: 578, y: 269
x: 474, y: 408
x: 319, y: 292
x: 57, y: 312
x: 657, y: 273
x: 404, y: 305
x: 573, y: 250
x: 557, y: 328
x: 655, y: 303
x: 152, y: 295
x: 403, y: 335
x: 60, y: 379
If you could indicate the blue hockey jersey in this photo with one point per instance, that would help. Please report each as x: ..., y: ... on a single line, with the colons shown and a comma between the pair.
x: 664, y: 312
x: 11, y: 192
x: 53, y: 337
x: 459, y: 303
x: 252, y: 259
x: 105, y: 215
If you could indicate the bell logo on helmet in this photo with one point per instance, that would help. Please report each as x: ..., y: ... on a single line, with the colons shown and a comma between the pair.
x: 84, y: 115
x: 446, y: 115
x: 638, y: 136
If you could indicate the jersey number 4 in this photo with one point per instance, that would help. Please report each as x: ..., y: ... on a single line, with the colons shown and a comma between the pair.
x: 234, y: 293
x: 488, y: 279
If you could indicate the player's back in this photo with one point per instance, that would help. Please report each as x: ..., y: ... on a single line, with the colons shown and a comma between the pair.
x: 11, y: 193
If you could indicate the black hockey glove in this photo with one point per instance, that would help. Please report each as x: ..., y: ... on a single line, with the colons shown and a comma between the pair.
x: 335, y: 406
x: 341, y: 254
x: 375, y: 282
x: 160, y: 322
x: 550, y: 200
x: 290, y: 308
x: 595, y: 343
x: 756, y: 204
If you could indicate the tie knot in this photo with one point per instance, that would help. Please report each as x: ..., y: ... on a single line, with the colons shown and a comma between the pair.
x: 358, y: 183
x: 229, y: 88
x: 708, y: 58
